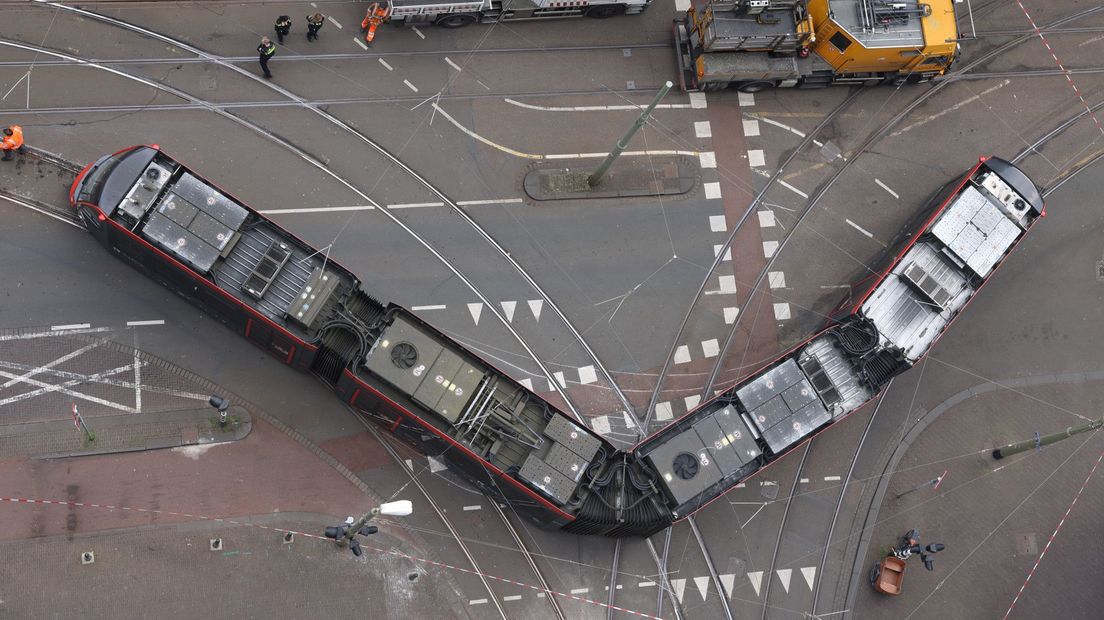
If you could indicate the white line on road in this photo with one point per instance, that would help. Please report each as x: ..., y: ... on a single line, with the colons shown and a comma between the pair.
x: 137, y: 381
x: 384, y: 63
x: 334, y: 21
x: 438, y: 307
x: 956, y: 106
x: 416, y: 205
x: 495, y: 201
x: 362, y: 45
x: 452, y: 64
x: 804, y: 480
x: 595, y: 108
x: 792, y: 189
x: 646, y: 584
x: 140, y: 323
x: 754, y: 515
x: 886, y: 188
x: 73, y: 326
x: 410, y: 86
x: 318, y: 210
x: 831, y: 478
x: 470, y: 508
x: 477, y: 601
x: 859, y: 228
x: 515, y: 597
x: 580, y: 590
x: 418, y: 32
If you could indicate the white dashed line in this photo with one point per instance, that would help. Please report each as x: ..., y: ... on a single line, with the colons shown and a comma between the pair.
x: 697, y: 100
x: 832, y: 478
x: 437, y: 307
x: 418, y: 32
x: 777, y: 279
x: 319, y: 210
x: 73, y: 326
x: 335, y: 22
x: 768, y: 483
x: 804, y: 481
x: 792, y: 188
x: 727, y: 284
x: 646, y: 584
x: 751, y: 128
x: 730, y: 315
x: 769, y: 248
x: 702, y: 129
x: 886, y: 188
x: 682, y: 354
x: 140, y: 323
x: 782, y: 311
x: 708, y: 159
x: 717, y: 223
x: 859, y: 228
x: 469, y: 508
x: 515, y: 597
x: 478, y: 601
x: 712, y: 190
x: 362, y: 45
x: 382, y: 61
x: 727, y: 253
x: 416, y: 205
x: 587, y: 375
x: 710, y: 348
x: 452, y: 64
x: 495, y: 201
x: 410, y: 86
x: 756, y: 158
x: 580, y: 590
x: 766, y: 218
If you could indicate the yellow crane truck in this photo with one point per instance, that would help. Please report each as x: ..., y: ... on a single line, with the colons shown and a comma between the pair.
x: 759, y: 44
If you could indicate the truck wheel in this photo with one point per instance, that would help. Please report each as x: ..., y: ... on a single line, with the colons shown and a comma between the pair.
x: 754, y: 87
x: 605, y: 10
x: 455, y: 21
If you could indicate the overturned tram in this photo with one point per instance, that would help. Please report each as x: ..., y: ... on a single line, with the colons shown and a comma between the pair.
x: 417, y: 383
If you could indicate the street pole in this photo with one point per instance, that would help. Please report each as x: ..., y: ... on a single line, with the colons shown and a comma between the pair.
x: 933, y: 483
x: 1039, y: 442
x: 623, y: 143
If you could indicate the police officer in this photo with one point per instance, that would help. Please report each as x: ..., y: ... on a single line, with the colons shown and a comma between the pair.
x: 283, y: 27
x: 267, y: 49
x: 314, y: 24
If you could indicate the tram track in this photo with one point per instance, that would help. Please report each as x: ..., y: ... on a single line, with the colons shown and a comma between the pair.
x: 601, y: 369
x: 782, y: 527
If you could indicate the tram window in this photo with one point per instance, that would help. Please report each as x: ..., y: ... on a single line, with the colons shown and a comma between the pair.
x: 840, y: 41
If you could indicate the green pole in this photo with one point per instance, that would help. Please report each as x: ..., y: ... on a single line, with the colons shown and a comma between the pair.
x: 1027, y: 444
x: 623, y: 143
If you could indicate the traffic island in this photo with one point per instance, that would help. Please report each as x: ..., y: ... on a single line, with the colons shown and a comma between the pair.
x: 627, y: 178
x: 122, y: 433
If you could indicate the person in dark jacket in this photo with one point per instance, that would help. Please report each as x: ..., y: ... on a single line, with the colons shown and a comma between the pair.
x: 267, y: 49
x: 283, y: 27
x: 314, y: 24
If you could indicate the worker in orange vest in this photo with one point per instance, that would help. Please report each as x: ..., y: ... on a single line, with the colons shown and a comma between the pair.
x: 13, y: 141
x: 378, y: 12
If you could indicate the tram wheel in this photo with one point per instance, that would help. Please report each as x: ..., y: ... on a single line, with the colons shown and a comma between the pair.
x: 455, y: 21
x: 754, y: 87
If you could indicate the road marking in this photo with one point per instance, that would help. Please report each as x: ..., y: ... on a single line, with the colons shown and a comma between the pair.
x: 508, y: 308
x: 475, y: 309
x: 362, y: 45
x: 73, y: 326
x: 769, y: 248
x: 730, y: 315
x: 886, y: 188
x: 717, y: 247
x: 777, y: 279
x: 784, y: 577
x: 727, y: 581
x: 416, y: 205
x: 514, y: 597
x: 792, y: 189
x: 756, y: 579
x: 452, y: 64
x: 477, y: 507
x: 141, y: 323
x: 727, y: 284
x: 527, y: 382
x: 956, y: 106
x: 535, y: 306
x: 712, y: 190
x: 768, y: 483
x: 703, y: 585
x: 831, y: 478
x: 410, y: 464
x: 663, y: 411
x: 697, y: 100
x: 137, y: 382
x: 435, y: 464
x: 580, y: 590
x: 717, y: 223
x: 766, y: 218
x: 646, y: 584
x: 599, y: 108
x: 711, y: 348
x: 708, y: 159
x: 435, y: 307
x: 782, y: 311
x: 691, y: 401
x: 741, y: 485
x: 410, y: 86
x: 682, y: 5
x: 560, y: 378
x: 418, y: 32
x: 680, y: 588
x: 804, y: 480
x: 319, y: 210
x: 587, y: 375
x: 751, y: 128
x: 859, y: 228
x: 61, y: 360
x: 495, y: 201
x: 809, y: 573
x: 682, y: 354
x: 746, y: 99
x: 477, y: 601
x: 702, y: 129
x: 600, y: 425
x: 756, y: 158
x: 334, y: 21
x: 383, y: 62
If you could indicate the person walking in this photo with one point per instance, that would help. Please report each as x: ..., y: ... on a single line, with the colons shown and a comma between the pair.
x: 13, y: 141
x: 283, y: 27
x: 267, y: 49
x: 314, y: 24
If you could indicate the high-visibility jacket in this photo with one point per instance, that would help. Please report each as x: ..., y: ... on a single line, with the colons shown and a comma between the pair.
x: 376, y: 17
x: 15, y: 140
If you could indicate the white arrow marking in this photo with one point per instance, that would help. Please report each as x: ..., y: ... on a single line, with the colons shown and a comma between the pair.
x: 703, y: 585
x: 756, y: 580
x: 508, y: 307
x: 476, y: 309
x: 784, y: 577
x: 809, y: 573
x: 727, y: 581
x: 680, y: 588
x: 535, y: 305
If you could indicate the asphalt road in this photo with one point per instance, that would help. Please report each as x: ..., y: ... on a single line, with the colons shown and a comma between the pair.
x: 623, y: 272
